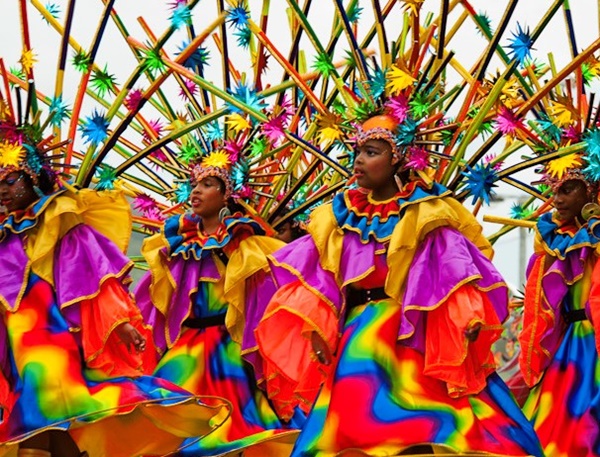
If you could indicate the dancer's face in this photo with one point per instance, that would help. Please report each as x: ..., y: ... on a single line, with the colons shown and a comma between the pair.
x: 16, y: 191
x: 569, y: 200
x: 208, y: 197
x: 375, y: 166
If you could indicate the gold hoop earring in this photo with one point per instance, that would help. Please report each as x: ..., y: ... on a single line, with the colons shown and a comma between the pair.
x: 223, y: 213
x: 590, y: 210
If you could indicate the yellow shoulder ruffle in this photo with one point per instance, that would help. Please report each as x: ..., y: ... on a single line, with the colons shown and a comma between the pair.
x: 163, y: 284
x: 248, y: 259
x: 415, y: 224
x: 328, y: 238
x: 108, y: 212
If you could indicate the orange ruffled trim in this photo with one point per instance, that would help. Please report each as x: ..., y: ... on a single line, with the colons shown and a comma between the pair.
x: 464, y: 366
x: 103, y: 349
x: 537, y: 319
x: 293, y: 374
x: 594, y: 301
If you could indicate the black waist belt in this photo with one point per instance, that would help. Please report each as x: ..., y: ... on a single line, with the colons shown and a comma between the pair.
x: 574, y: 316
x: 357, y: 297
x: 204, y: 322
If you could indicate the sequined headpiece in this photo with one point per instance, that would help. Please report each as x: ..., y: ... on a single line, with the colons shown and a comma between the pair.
x: 21, y: 150
x: 215, y: 164
x: 554, y: 181
x: 381, y: 127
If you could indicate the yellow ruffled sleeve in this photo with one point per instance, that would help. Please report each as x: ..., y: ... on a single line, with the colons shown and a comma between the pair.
x: 413, y: 227
x: 107, y: 212
x: 163, y: 284
x: 248, y: 259
x: 328, y: 238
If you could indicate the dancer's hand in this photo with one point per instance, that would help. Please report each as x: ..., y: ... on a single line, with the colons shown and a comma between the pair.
x: 320, y: 348
x: 131, y: 337
x: 472, y: 332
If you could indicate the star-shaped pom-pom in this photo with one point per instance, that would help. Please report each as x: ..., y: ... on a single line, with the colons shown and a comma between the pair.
x: 592, y: 140
x: 419, y: 105
x: 377, y: 83
x: 154, y: 130
x: 521, y: 44
x: 81, y: 61
x: 243, y: 37
x: 398, y: 80
x: 234, y: 148
x: 238, y: 16
x: 418, y: 158
x: 133, y: 99
x: 191, y: 86
x: 518, y: 212
x: 94, y: 128
x: 214, y: 132
x: 217, y: 159
x: 144, y: 203
x: 53, y: 10
x: 58, y: 111
x: 11, y: 154
x: 106, y: 178
x: 237, y: 122
x: 592, y: 170
x: 507, y: 122
x: 189, y: 153
x: 480, y: 182
x: 323, y: 64
x: 180, y: 15
x: 354, y: 13
x: 328, y: 128
x: 484, y: 21
x: 398, y: 107
x: 406, y: 132
x: 153, y: 60
x: 102, y: 82
x: 182, y: 193
x: 248, y: 96
x: 258, y: 146
x: 563, y: 111
x: 197, y: 59
x: 27, y: 60
x: 274, y: 129
x: 558, y: 167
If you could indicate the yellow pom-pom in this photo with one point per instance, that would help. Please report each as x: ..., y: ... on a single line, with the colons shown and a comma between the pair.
x: 11, y: 154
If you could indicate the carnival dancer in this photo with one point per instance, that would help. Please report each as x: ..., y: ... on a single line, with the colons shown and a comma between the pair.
x: 559, y: 340
x: 392, y: 301
x: 205, y: 267
x: 74, y: 348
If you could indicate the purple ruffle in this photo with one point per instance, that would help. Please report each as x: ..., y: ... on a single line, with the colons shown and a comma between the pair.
x: 83, y: 259
x: 186, y: 273
x: 308, y: 266
x: 260, y: 288
x: 13, y: 270
x: 555, y: 285
x: 355, y: 262
x: 443, y: 260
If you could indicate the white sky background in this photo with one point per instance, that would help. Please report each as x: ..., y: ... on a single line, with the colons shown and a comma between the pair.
x: 117, y: 56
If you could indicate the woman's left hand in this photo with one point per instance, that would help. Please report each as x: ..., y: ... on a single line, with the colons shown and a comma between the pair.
x: 131, y: 337
x: 472, y: 332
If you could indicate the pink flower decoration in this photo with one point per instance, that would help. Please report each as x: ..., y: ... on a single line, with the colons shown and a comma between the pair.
x: 133, y: 99
x: 507, y: 122
x: 418, y: 158
x: 398, y: 107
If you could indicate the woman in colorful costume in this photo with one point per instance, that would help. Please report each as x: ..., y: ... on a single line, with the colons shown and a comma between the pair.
x: 73, y: 345
x: 559, y: 340
x: 395, y: 304
x: 205, y: 267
